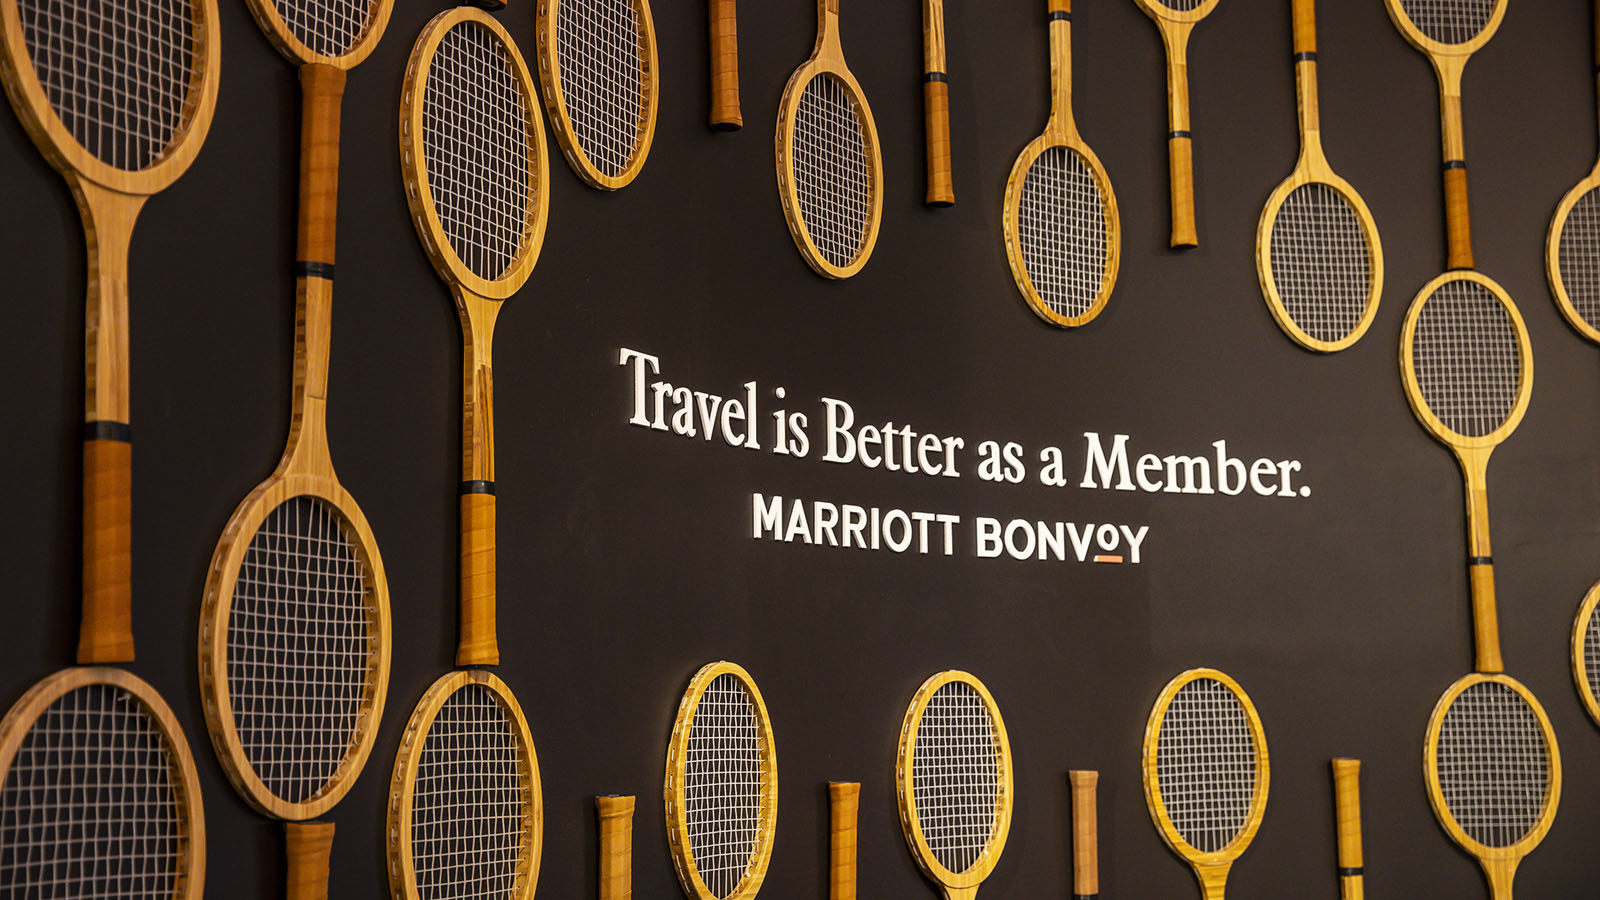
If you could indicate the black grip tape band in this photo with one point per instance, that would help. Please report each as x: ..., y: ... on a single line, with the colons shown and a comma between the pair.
x: 1085, y: 897
x: 1455, y: 164
x: 476, y: 487
x: 1350, y: 873
x: 1059, y: 15
x: 304, y: 268
x: 107, y: 430
x: 1480, y: 560
x: 935, y: 76
x: 1174, y: 135
x: 1306, y: 56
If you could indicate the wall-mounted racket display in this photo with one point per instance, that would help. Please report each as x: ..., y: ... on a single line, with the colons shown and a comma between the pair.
x: 1176, y: 20
x: 1063, y: 233
x: 1572, y: 247
x: 725, y: 113
x: 1206, y: 773
x: 936, y: 107
x: 844, y: 801
x: 1317, y: 247
x: 466, y: 809
x: 1085, y: 834
x: 830, y: 169
x: 597, y: 64
x: 615, y: 814
x: 953, y: 782
x: 721, y: 790
x: 1347, y: 819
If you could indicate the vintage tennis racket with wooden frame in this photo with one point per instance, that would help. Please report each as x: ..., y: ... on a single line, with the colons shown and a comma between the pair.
x: 133, y: 825
x: 1317, y: 247
x: 724, y: 18
x: 1206, y: 773
x: 1176, y: 20
x: 1572, y: 247
x: 941, y: 190
x: 954, y: 782
x: 830, y: 167
x: 1085, y: 834
x: 1586, y: 653
x: 1063, y: 232
x: 597, y: 64
x: 1347, y: 813
x: 721, y: 786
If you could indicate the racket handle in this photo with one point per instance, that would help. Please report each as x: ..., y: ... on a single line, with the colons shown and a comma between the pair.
x: 1457, y: 219
x: 479, y: 646
x: 1180, y: 145
x: 308, y: 845
x: 321, y: 93
x: 106, y: 632
x: 1085, y: 835
x: 936, y: 106
x: 845, y: 797
x: 725, y: 115
x: 1347, y: 805
x: 616, y: 846
x: 1485, y: 619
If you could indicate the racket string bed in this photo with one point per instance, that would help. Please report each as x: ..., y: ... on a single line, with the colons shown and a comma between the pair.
x: 955, y: 775
x: 1321, y: 264
x: 328, y: 27
x: 1591, y: 654
x: 118, y: 74
x: 1181, y: 5
x: 1493, y: 763
x: 602, y: 78
x: 1206, y: 765
x: 468, y: 808
x: 1579, y: 257
x: 89, y: 808
x: 1466, y: 357
x: 475, y: 142
x: 832, y: 171
x: 1062, y: 223
x: 725, y: 780
x: 300, y: 648
x: 1449, y: 21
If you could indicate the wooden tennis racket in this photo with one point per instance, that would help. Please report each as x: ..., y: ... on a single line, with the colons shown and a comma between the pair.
x: 1572, y: 247
x: 1586, y: 653
x: 721, y: 786
x: 1085, y: 835
x: 132, y: 825
x: 1347, y: 810
x: 1317, y: 247
x: 953, y: 782
x: 616, y: 846
x: 725, y: 114
x: 936, y: 107
x: 830, y: 169
x: 1063, y: 233
x: 844, y: 802
x: 597, y: 63
x: 1206, y: 773
x: 1176, y: 19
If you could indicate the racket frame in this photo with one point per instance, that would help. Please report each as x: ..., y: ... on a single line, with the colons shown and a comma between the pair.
x: 674, y: 789
x: 268, y: 19
x: 827, y: 58
x: 1558, y: 224
x: 1175, y: 27
x: 1580, y: 673
x: 955, y: 885
x: 555, y: 98
x: 1211, y: 869
x: 1060, y: 131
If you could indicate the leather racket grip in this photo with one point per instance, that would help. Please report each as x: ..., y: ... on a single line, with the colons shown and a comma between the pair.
x: 1085, y: 835
x: 322, y: 91
x: 936, y: 113
x: 308, y: 845
x: 106, y: 632
x: 1304, y: 13
x: 1180, y: 165
x: 1485, y: 619
x: 616, y: 847
x: 1347, y: 806
x: 1457, y: 219
x: 725, y: 115
x: 478, y: 646
x: 845, y: 798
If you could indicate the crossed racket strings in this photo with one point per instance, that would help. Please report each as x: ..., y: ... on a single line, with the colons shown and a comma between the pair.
x: 328, y: 27
x: 1064, y: 231
x: 1579, y: 257
x: 1206, y: 765
x: 475, y: 145
x: 1321, y: 264
x: 1449, y: 21
x: 1467, y: 361
x: 832, y: 173
x: 117, y: 74
x: 300, y: 648
x: 1181, y: 5
x: 602, y: 78
x: 88, y: 808
x: 1494, y: 766
x: 1591, y: 654
x: 724, y: 784
x: 955, y: 775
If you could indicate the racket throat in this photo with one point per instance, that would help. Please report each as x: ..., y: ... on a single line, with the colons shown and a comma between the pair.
x: 1500, y: 873
x: 1213, y: 879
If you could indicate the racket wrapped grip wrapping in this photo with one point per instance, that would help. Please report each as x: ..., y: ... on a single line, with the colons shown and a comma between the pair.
x: 1457, y: 218
x: 106, y: 633
x: 1304, y: 13
x: 1485, y: 619
x: 322, y: 92
x: 308, y: 846
x: 1180, y: 164
x: 725, y: 114
x: 478, y: 646
x: 845, y: 799
x: 936, y: 113
x: 616, y: 847
x: 1347, y: 806
x: 1085, y: 834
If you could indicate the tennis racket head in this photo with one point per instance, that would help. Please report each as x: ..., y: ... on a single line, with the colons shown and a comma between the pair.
x: 1492, y: 767
x: 953, y: 780
x: 1572, y: 256
x: 473, y: 151
x: 721, y: 789
x: 295, y: 646
x: 830, y: 166
x: 1586, y: 653
x: 1466, y: 360
x: 466, y: 810
x: 1447, y: 27
x: 1205, y: 767
x: 338, y: 33
x: 119, y: 93
x: 1183, y: 11
x: 1063, y: 231
x: 1320, y: 261
x: 597, y: 64
x: 98, y: 793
